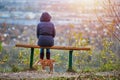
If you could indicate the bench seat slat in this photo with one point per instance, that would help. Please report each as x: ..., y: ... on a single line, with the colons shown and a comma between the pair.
x: 53, y: 47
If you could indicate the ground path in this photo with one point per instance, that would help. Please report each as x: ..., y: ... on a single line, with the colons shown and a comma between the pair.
x: 37, y: 75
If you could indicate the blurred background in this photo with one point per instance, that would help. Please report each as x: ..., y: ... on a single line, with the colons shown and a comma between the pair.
x: 93, y: 23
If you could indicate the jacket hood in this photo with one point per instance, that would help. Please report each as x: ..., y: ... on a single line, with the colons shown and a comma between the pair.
x: 45, y: 17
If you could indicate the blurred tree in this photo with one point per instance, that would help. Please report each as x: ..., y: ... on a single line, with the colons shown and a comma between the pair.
x: 110, y: 22
x: 111, y: 19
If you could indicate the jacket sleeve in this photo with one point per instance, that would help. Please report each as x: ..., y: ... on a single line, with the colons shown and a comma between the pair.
x: 54, y: 32
x: 37, y: 32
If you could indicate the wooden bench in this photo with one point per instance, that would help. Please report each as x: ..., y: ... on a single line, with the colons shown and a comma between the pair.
x: 53, y: 47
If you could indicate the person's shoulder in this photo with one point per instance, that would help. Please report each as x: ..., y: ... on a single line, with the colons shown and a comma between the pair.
x: 46, y: 23
x: 51, y: 23
x: 41, y: 23
x: 38, y: 24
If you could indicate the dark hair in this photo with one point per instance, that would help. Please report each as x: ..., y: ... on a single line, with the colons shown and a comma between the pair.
x: 45, y: 17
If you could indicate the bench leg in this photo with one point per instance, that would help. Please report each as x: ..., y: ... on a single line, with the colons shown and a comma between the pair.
x: 31, y: 58
x: 70, y: 62
x: 70, y: 59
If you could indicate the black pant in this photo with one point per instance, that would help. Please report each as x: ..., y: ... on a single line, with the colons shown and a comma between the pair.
x: 42, y: 53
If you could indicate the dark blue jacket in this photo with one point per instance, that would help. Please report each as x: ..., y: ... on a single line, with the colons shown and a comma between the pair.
x: 45, y: 31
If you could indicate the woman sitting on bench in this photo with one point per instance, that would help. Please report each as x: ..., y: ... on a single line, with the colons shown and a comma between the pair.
x: 45, y: 34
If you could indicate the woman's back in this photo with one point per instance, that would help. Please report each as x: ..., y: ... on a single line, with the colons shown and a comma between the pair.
x: 45, y: 31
